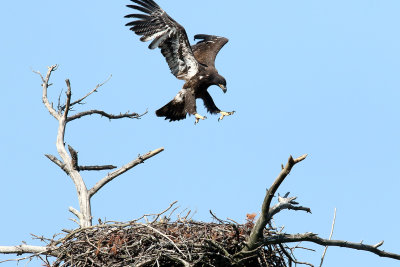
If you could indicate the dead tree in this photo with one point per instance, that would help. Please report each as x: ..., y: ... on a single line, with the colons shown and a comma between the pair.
x: 69, y: 161
x: 162, y: 241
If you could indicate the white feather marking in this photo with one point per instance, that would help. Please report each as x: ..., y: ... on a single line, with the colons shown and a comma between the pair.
x: 179, y: 96
x: 155, y: 35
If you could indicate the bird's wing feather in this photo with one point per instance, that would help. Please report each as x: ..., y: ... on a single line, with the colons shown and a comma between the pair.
x: 206, y: 50
x: 165, y: 34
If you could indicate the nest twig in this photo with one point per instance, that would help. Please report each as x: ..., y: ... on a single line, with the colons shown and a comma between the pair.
x: 180, y: 243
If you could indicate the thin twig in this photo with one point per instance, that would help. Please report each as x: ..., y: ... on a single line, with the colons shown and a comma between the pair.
x: 218, y: 219
x: 122, y: 170
x: 330, y: 237
x: 88, y: 94
x: 164, y: 211
x: 169, y: 239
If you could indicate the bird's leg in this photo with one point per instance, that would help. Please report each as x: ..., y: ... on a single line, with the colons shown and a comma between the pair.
x: 224, y: 113
x: 199, y: 117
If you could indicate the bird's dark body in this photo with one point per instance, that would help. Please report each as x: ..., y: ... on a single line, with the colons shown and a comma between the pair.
x: 193, y: 64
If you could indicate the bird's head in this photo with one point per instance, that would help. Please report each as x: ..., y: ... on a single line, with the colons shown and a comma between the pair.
x: 221, y: 82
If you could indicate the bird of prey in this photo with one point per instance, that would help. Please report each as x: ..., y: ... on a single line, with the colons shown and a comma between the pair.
x: 193, y: 64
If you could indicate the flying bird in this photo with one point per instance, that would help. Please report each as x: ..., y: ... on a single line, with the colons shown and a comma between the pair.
x: 193, y: 64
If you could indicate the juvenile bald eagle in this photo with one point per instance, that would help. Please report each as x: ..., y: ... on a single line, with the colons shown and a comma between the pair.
x: 193, y: 64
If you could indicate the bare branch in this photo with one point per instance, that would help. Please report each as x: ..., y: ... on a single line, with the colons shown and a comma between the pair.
x: 285, y: 203
x: 165, y: 236
x: 291, y: 259
x: 161, y: 213
x: 133, y: 115
x: 311, y: 237
x: 257, y: 232
x: 122, y: 170
x: 23, y: 249
x: 74, y: 157
x: 79, y: 101
x: 330, y: 237
x: 75, y: 212
x: 218, y: 219
x: 219, y: 247
x: 96, y: 168
x: 57, y: 162
x: 45, y: 85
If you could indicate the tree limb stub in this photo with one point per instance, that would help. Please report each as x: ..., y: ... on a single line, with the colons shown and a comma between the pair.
x: 57, y: 162
x: 256, y: 234
x: 311, y: 237
x: 74, y: 157
x: 68, y: 100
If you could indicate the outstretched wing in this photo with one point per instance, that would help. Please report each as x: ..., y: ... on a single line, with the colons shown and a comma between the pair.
x: 207, y: 49
x: 166, y: 34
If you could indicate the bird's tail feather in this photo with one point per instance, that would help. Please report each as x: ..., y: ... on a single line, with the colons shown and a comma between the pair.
x: 173, y: 111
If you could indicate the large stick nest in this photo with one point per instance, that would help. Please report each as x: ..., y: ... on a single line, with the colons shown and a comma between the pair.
x: 181, y: 243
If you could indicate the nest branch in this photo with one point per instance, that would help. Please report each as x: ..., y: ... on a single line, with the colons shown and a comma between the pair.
x: 256, y: 234
x: 314, y: 238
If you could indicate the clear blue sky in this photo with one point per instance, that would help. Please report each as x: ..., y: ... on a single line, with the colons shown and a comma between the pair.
x: 316, y: 77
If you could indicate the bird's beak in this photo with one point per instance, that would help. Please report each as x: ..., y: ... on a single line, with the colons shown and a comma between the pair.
x: 222, y: 87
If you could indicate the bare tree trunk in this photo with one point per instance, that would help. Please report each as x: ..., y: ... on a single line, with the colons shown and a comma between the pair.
x: 69, y: 162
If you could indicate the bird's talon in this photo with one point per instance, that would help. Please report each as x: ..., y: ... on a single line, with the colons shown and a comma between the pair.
x: 198, y: 118
x: 224, y: 113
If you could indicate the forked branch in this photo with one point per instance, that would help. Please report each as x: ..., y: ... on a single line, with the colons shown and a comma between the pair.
x: 45, y: 86
x: 256, y: 235
x: 79, y: 101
